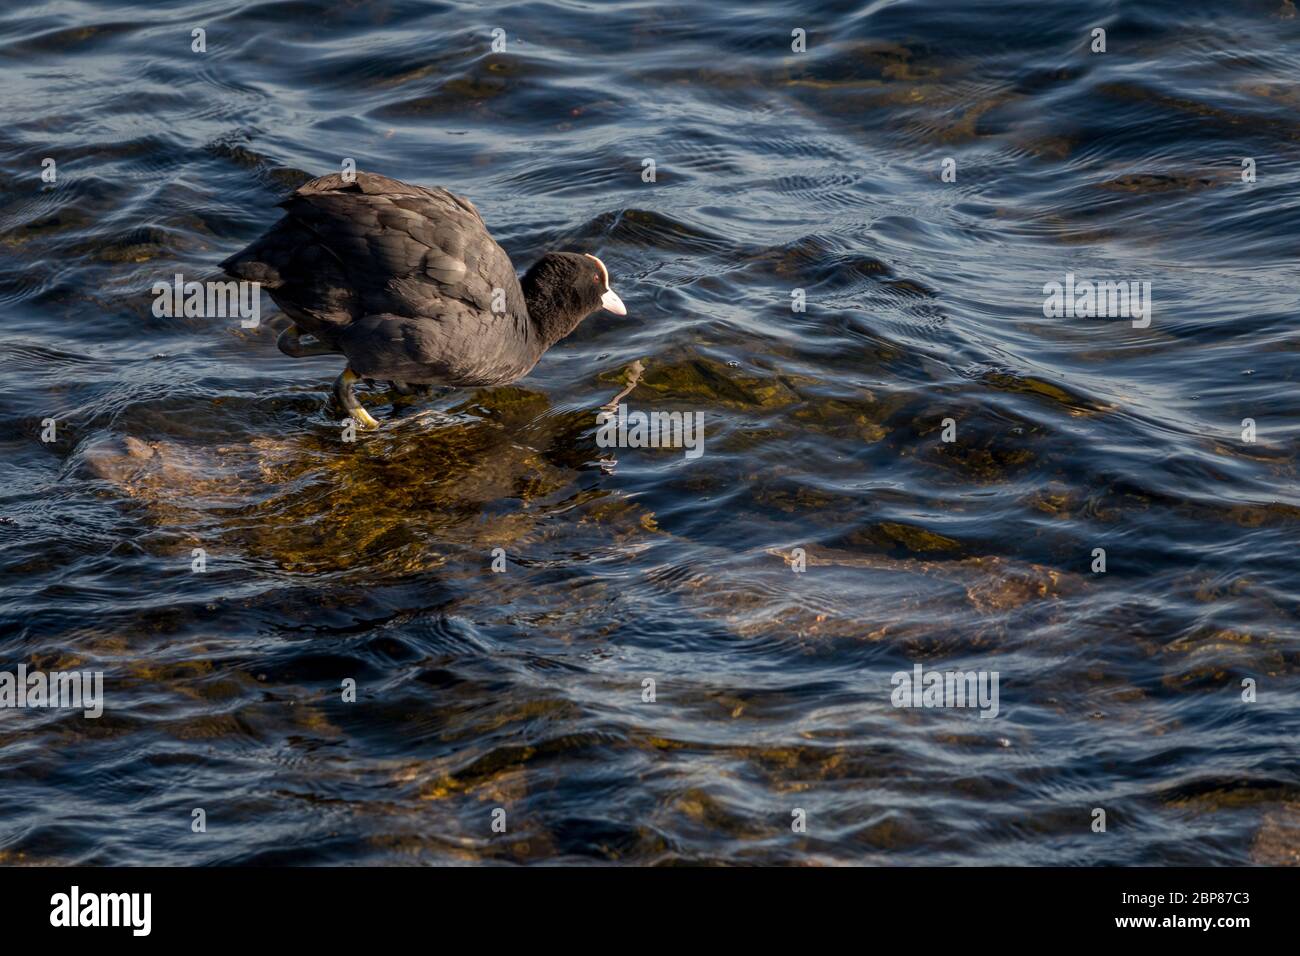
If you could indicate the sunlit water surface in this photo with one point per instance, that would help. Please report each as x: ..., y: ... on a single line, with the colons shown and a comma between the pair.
x: 775, y: 171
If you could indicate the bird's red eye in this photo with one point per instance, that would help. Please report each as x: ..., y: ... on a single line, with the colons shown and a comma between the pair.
x: 596, y: 278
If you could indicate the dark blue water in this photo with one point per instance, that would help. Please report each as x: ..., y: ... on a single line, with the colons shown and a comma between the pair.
x: 775, y: 171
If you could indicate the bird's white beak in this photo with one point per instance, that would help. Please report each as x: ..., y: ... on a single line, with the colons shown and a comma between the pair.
x: 609, y: 300
x: 613, y: 303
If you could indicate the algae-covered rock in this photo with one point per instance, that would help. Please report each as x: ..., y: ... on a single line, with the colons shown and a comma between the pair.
x: 708, y: 382
x: 916, y: 539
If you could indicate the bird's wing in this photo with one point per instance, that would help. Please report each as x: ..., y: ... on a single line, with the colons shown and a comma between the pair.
x: 403, y: 249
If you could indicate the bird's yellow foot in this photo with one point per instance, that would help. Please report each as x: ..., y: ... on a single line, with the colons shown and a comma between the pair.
x: 343, y: 392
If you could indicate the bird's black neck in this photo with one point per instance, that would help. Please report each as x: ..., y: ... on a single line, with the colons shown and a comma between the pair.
x: 553, y: 311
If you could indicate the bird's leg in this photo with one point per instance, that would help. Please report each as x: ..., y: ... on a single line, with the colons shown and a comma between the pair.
x: 635, y: 370
x: 343, y: 392
x: 634, y: 373
x: 291, y: 345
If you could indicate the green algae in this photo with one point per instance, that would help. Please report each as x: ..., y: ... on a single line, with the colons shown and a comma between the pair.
x: 916, y: 539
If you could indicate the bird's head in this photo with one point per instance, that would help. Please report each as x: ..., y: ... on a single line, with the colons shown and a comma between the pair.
x: 563, y: 288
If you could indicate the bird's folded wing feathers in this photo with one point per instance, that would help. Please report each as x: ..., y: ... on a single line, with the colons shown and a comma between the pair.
x: 405, y: 247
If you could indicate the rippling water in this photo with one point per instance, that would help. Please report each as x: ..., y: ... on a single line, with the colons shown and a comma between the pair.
x: 775, y: 171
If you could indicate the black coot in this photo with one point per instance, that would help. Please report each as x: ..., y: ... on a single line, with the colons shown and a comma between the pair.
x: 406, y: 282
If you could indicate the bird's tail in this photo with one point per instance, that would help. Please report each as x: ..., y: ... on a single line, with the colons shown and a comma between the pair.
x: 250, y: 265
